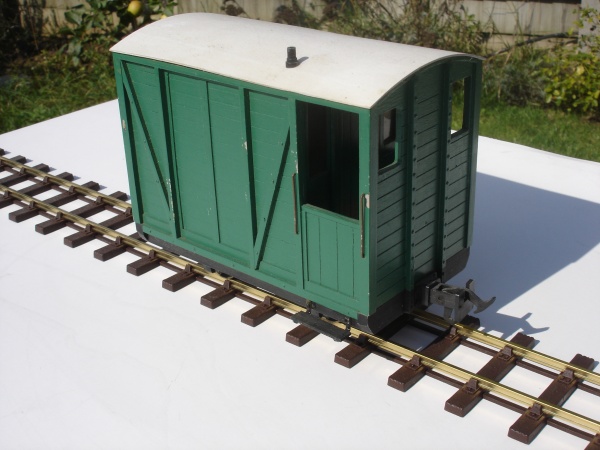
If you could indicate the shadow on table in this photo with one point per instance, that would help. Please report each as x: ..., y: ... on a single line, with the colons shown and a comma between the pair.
x: 522, y: 236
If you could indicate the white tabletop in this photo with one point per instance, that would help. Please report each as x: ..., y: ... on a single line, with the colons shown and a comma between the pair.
x: 94, y: 358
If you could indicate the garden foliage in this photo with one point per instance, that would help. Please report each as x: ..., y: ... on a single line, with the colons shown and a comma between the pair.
x: 429, y: 23
x: 108, y: 21
x: 21, y: 29
x: 573, y: 74
x: 37, y: 81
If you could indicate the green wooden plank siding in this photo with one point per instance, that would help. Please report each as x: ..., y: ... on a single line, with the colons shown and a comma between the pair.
x: 426, y: 170
x: 423, y: 214
x: 198, y: 214
x: 229, y: 159
x: 460, y: 165
x: 213, y: 161
x: 332, y: 244
x: 228, y: 151
x: 391, y: 220
x: 150, y: 152
x: 276, y: 247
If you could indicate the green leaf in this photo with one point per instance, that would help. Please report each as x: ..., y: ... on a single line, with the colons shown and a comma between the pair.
x: 73, y: 17
x: 74, y: 48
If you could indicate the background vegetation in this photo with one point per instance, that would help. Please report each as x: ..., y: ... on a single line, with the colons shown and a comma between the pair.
x: 546, y: 98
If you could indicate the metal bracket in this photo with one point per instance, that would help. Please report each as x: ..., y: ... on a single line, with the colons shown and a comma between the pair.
x: 457, y: 302
x: 314, y: 322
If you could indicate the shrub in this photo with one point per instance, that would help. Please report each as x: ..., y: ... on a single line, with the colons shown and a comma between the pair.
x: 21, y: 27
x: 107, y: 21
x: 573, y: 82
x: 515, y: 77
x: 441, y: 24
x: 573, y: 75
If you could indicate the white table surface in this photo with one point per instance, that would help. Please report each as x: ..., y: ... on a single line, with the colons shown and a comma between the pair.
x: 94, y: 358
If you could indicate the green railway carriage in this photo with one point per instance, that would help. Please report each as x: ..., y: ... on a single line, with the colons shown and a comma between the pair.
x: 338, y: 183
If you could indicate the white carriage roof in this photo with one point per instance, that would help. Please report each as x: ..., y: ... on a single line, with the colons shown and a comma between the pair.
x: 343, y: 69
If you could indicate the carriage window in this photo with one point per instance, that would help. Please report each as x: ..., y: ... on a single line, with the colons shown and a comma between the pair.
x: 460, y: 107
x: 387, y: 139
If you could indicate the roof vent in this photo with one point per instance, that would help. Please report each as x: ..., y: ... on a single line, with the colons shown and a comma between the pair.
x: 292, y: 60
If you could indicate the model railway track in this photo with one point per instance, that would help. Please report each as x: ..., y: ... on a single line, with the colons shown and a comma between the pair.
x: 535, y: 412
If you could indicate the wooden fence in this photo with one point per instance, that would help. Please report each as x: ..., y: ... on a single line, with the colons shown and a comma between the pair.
x: 506, y: 17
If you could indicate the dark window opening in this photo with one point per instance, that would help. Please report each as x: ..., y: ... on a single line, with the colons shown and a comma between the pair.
x: 328, y: 149
x: 460, y: 105
x: 387, y: 139
x: 316, y: 127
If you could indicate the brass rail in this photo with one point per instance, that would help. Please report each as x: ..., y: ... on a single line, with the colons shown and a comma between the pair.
x: 486, y: 384
x: 140, y: 245
x: 519, y: 350
x: 389, y: 347
x: 107, y: 199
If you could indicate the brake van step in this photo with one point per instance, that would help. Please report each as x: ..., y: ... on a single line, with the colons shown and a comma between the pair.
x: 326, y: 328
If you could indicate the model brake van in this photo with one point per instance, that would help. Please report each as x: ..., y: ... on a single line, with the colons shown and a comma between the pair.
x: 317, y: 166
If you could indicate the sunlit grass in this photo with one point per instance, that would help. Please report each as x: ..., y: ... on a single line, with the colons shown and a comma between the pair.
x: 545, y: 129
x: 541, y: 128
x: 48, y: 85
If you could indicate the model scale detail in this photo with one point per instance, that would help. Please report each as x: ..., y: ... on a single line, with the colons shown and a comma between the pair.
x: 328, y: 174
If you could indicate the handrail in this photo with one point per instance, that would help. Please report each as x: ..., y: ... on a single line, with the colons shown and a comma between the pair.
x: 295, y: 203
x: 361, y: 217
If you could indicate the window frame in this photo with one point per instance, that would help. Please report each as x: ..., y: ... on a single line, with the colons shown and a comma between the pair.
x: 467, y: 86
x: 388, y: 142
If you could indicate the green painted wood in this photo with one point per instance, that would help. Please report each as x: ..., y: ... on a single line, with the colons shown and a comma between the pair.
x: 229, y: 127
x: 331, y: 180
x: 396, y: 248
x: 475, y: 99
x: 453, y: 248
x: 456, y: 224
x: 347, y: 252
x: 275, y: 247
x: 454, y: 213
x: 391, y: 284
x: 461, y: 184
x: 392, y: 203
x: 128, y: 140
x: 428, y: 103
x: 197, y: 207
x: 148, y: 146
x: 229, y: 166
x: 241, y: 128
x: 394, y: 262
x: 437, y: 186
x: 426, y: 170
x: 460, y: 166
x: 326, y: 247
x: 390, y: 227
x: 457, y: 200
x: 391, y: 215
x: 332, y: 247
x: 312, y: 235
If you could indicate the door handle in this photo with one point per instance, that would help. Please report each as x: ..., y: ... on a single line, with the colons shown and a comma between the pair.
x: 295, y: 203
x: 361, y: 219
